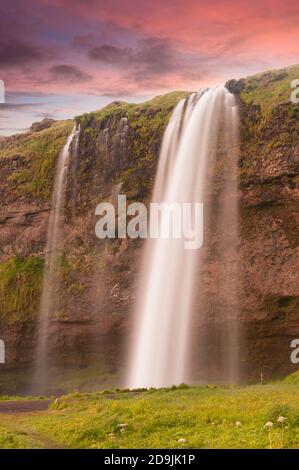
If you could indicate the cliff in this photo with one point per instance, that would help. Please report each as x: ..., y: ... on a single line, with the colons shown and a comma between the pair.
x: 118, y: 152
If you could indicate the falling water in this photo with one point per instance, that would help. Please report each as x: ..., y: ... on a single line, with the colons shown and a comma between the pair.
x: 54, y: 240
x: 160, y: 348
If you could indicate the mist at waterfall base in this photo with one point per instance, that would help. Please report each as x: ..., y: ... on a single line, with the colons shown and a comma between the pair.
x: 179, y: 335
x: 49, y: 300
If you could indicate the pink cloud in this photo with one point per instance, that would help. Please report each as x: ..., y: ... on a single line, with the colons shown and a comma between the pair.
x: 131, y: 47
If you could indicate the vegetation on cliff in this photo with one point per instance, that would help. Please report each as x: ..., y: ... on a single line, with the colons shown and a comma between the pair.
x: 37, y: 151
x: 146, y: 124
x: 270, y: 89
x: 20, y: 288
x: 269, y: 125
x: 118, y: 151
x: 31, y: 159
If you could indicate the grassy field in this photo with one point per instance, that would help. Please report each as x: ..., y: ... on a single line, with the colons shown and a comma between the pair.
x: 201, y: 417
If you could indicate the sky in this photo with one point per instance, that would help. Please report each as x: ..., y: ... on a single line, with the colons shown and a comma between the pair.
x: 60, y: 58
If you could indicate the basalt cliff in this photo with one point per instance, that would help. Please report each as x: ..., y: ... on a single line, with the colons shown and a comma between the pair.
x: 117, y: 154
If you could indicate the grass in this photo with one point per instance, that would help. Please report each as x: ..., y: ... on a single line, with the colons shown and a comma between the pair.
x: 122, y: 108
x: 269, y: 122
x: 147, y: 122
x: 270, y: 89
x: 20, y: 287
x: 292, y: 378
x: 205, y: 417
x: 38, y: 151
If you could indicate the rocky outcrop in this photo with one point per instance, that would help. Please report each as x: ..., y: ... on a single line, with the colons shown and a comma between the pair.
x: 235, y: 86
x: 118, y: 153
x: 41, y: 125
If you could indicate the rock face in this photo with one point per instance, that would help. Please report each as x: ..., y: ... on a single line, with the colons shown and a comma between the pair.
x: 41, y: 125
x: 235, y: 86
x: 118, y: 153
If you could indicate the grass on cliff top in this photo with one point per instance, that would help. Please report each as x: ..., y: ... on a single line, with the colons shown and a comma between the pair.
x: 269, y: 124
x: 147, y: 122
x: 270, y: 89
x: 122, y: 108
x: 39, y: 151
x: 205, y: 417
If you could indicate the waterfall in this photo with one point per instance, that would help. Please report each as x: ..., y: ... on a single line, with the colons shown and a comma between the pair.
x: 162, y: 341
x: 49, y: 299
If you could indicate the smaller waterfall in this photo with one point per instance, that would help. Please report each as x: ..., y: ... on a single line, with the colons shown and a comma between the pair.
x: 53, y: 245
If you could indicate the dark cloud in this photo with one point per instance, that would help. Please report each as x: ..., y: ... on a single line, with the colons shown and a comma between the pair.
x: 114, y: 55
x: 160, y: 56
x: 16, y: 106
x: 15, y: 53
x: 152, y: 56
x: 20, y: 42
x: 68, y: 74
x: 153, y: 61
x: 21, y: 94
x: 83, y: 41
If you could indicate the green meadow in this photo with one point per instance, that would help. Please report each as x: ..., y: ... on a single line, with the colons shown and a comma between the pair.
x: 258, y: 416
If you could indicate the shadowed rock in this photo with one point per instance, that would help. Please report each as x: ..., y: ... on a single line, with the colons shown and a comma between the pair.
x: 44, y: 124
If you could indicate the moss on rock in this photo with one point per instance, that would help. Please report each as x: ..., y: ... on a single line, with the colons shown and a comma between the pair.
x: 20, y: 287
x: 38, y: 152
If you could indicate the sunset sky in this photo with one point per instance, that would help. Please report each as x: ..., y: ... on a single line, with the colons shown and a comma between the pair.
x: 59, y: 58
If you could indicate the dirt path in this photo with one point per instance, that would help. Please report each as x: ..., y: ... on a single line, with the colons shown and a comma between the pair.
x: 23, y: 406
x: 16, y: 419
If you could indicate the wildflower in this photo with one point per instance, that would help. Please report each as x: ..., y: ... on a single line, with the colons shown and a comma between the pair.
x: 281, y: 419
x: 122, y: 430
x: 268, y: 425
x: 122, y: 425
x: 111, y: 435
x: 182, y: 440
x: 238, y: 424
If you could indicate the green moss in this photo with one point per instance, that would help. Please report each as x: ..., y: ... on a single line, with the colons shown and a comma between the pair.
x: 121, y: 108
x: 20, y: 287
x: 169, y: 100
x: 112, y: 110
x: 292, y: 378
x: 270, y: 89
x: 73, y: 266
x: 39, y: 151
x: 281, y: 307
x: 269, y: 120
x: 147, y: 124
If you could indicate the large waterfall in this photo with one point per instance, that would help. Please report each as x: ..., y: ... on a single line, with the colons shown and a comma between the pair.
x: 202, y: 126
x: 49, y: 299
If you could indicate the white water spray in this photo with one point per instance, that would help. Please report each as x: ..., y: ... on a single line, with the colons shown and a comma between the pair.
x: 161, y: 339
